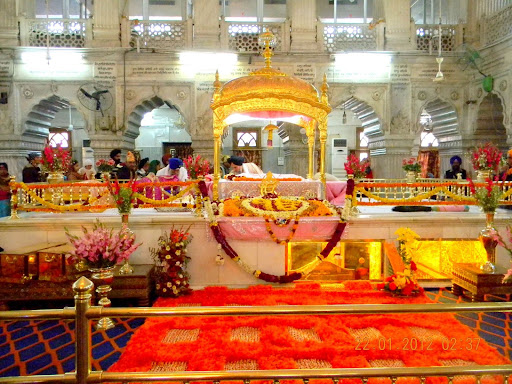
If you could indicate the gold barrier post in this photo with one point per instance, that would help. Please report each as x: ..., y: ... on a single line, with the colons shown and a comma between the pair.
x: 14, y: 197
x: 82, y: 288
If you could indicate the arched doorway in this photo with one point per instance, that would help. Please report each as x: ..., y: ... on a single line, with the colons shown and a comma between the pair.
x: 438, y: 127
x: 57, y: 121
x: 162, y: 129
x: 350, y: 126
x: 489, y: 121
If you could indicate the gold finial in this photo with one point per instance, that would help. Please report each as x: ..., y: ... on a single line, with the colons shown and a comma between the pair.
x: 267, y: 39
x: 325, y: 88
x: 268, y: 184
x: 216, y: 84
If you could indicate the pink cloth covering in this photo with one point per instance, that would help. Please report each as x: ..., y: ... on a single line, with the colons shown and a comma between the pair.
x: 158, y: 195
x: 335, y: 192
x: 253, y: 228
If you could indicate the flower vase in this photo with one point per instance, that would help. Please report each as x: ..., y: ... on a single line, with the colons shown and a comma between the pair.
x: 126, y: 269
x: 410, y: 177
x: 55, y: 178
x: 481, y: 176
x: 102, y: 278
x: 489, y: 243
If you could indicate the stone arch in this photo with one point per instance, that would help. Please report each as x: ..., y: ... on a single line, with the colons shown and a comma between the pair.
x: 39, y: 119
x: 490, y: 119
x: 147, y: 105
x: 444, y: 116
x: 370, y: 121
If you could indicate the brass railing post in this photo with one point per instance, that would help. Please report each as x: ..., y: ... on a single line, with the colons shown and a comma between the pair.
x: 83, y: 292
x: 14, y: 197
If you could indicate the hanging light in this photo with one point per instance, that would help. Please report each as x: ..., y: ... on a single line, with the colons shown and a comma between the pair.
x: 344, y: 119
x: 439, y: 59
x: 270, y: 128
x: 70, y: 125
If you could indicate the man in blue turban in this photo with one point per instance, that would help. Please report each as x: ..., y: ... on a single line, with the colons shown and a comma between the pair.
x: 174, y: 170
x: 452, y: 173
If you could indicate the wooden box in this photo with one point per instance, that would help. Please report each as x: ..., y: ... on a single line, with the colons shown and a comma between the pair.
x: 22, y: 264
x: 54, y: 263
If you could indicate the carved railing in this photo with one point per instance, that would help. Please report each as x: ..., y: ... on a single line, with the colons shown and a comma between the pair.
x: 498, y: 26
x: 243, y: 37
x: 427, y: 37
x: 350, y: 37
x: 97, y: 197
x: 422, y: 192
x: 58, y: 33
x: 157, y: 34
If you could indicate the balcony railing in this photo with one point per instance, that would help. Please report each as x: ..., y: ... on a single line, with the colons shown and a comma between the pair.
x: 243, y: 37
x: 498, y: 26
x: 350, y: 37
x: 60, y: 33
x: 427, y: 37
x: 157, y: 34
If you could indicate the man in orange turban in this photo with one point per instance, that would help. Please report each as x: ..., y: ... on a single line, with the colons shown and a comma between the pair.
x: 506, y: 175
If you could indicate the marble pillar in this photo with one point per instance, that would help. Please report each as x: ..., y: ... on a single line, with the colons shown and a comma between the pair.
x: 303, y: 13
x: 206, y: 26
x: 106, y: 24
x: 8, y: 24
x: 398, y: 25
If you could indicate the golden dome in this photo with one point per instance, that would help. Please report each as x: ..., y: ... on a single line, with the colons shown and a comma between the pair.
x: 267, y: 82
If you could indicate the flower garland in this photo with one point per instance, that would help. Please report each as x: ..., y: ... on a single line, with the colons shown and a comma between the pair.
x: 273, y: 236
x: 243, y: 178
x: 418, y: 198
x: 171, y: 260
x: 221, y: 239
x: 403, y: 282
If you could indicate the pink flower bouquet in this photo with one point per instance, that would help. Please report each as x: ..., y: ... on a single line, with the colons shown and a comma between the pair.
x: 102, y: 247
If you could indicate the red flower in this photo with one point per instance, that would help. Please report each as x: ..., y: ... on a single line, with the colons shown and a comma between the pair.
x: 380, y: 286
x: 392, y: 286
x: 414, y: 267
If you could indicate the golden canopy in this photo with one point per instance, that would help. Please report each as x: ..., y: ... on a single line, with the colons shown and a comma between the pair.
x: 270, y: 94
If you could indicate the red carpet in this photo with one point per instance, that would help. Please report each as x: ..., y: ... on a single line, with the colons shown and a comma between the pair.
x: 289, y: 342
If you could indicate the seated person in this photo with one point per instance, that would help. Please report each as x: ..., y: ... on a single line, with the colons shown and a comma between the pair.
x: 174, y: 171
x: 506, y: 175
x: 456, y: 162
x: 239, y: 167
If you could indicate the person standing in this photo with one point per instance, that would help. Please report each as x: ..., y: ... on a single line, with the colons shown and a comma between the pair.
x: 115, y: 155
x: 32, y: 173
x: 143, y: 168
x: 5, y: 191
x: 128, y: 171
x: 452, y: 173
x: 506, y: 175
x: 74, y: 174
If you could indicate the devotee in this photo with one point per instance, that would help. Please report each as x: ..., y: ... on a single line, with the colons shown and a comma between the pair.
x: 506, y: 175
x: 115, y: 155
x: 225, y: 166
x: 165, y: 159
x: 74, y: 173
x: 236, y: 165
x: 456, y: 162
x: 87, y: 171
x: 154, y: 166
x: 32, y: 173
x: 174, y: 170
x: 5, y: 191
x: 129, y: 170
x: 143, y: 167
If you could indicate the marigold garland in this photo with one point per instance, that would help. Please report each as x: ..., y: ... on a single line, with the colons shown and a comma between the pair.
x: 221, y: 239
x: 241, y: 178
x: 273, y: 235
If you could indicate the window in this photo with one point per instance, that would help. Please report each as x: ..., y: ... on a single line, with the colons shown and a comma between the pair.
x: 253, y: 10
x: 345, y: 11
x: 246, y: 138
x: 63, y: 9
x: 427, y: 11
x: 59, y: 137
x: 158, y: 10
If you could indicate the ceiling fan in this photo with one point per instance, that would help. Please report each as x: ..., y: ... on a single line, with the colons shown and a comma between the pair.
x: 94, y: 97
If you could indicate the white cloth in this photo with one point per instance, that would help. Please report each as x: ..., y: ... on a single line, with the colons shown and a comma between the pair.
x: 166, y: 171
x: 252, y: 168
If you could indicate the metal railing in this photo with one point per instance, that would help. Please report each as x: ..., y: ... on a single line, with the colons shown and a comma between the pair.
x: 57, y: 33
x: 96, y: 196
x: 422, y: 192
x: 83, y: 313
